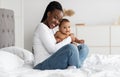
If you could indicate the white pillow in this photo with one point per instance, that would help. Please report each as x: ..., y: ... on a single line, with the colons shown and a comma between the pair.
x: 24, y: 54
x: 9, y: 61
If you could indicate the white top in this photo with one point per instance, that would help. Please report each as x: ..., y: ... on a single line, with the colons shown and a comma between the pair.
x: 44, y: 43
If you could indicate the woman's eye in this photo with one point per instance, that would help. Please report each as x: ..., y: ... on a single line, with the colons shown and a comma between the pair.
x: 55, y: 17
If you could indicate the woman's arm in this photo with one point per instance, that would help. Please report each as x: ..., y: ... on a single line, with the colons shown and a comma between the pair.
x: 49, y: 41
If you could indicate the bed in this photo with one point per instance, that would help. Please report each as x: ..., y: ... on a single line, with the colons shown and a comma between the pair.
x: 18, y: 62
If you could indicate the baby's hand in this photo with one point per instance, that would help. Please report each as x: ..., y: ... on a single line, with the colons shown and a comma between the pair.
x: 58, y: 40
x: 71, y: 34
x: 81, y: 41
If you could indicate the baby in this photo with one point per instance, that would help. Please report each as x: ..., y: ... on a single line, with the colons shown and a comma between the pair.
x: 65, y: 31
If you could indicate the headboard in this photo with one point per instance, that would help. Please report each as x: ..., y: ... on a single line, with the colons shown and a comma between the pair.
x: 7, y: 25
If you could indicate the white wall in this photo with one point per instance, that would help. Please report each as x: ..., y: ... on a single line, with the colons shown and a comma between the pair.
x: 17, y: 7
x: 90, y: 12
x: 0, y: 3
x: 94, y: 12
x: 33, y: 12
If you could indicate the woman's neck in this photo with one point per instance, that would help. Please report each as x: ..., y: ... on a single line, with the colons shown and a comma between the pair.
x: 46, y: 23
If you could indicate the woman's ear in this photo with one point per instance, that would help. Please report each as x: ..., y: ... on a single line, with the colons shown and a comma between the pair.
x: 48, y: 14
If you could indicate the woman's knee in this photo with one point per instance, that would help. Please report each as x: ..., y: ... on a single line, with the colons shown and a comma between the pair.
x: 83, y: 46
x: 86, y: 48
x: 70, y: 46
x: 72, y: 49
x: 83, y: 50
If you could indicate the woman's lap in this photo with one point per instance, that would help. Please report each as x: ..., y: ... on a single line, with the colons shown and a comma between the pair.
x: 64, y: 57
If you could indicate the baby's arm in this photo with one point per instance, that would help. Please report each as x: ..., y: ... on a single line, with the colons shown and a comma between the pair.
x: 59, y: 36
x: 58, y: 40
x: 79, y: 41
x: 75, y: 39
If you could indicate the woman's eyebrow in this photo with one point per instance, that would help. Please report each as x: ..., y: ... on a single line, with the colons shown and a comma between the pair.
x: 58, y: 18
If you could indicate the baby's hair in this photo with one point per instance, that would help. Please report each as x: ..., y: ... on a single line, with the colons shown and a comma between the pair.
x: 63, y: 20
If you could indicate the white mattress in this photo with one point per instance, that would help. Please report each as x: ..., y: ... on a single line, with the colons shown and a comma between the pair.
x: 94, y: 66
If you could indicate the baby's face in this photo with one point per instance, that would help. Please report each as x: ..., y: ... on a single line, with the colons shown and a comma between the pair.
x: 65, y: 28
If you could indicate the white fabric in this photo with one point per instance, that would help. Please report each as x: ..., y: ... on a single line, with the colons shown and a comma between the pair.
x: 9, y: 61
x: 24, y: 54
x: 44, y: 43
x: 103, y: 65
x: 95, y: 66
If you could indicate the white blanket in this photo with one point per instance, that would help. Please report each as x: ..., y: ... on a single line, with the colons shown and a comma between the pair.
x: 95, y: 65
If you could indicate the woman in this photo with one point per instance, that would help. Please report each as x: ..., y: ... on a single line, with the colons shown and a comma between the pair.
x: 48, y: 54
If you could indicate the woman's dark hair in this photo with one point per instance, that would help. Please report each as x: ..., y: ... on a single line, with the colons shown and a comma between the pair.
x: 51, y: 7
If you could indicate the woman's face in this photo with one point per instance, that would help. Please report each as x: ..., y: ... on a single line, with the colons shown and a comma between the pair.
x: 54, y: 18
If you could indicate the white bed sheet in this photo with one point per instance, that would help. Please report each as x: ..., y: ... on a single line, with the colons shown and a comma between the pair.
x: 28, y: 72
x: 94, y: 66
